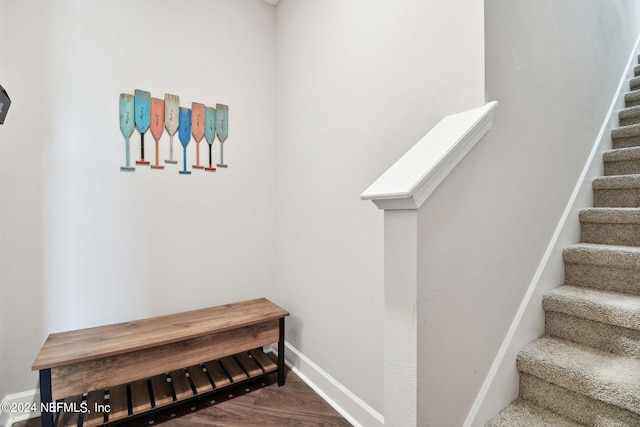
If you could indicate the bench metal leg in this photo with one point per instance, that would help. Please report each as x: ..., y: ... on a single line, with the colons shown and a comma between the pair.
x: 46, y: 397
x: 281, y: 354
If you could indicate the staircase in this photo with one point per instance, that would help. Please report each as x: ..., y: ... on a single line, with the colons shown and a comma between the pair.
x: 585, y: 370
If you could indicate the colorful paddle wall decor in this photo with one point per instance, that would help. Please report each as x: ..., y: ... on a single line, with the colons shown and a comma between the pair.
x: 210, y: 133
x: 222, y: 129
x: 157, y: 127
x: 143, y: 106
x: 127, y: 112
x: 142, y: 112
x: 185, y: 135
x: 171, y: 107
x: 197, y: 129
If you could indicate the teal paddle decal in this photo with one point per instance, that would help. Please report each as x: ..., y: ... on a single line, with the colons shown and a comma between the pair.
x: 127, y: 124
x: 184, y: 133
x: 143, y: 119
x: 210, y: 133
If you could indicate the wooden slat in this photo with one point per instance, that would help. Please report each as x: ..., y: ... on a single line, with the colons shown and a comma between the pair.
x: 267, y: 364
x: 95, y: 402
x: 140, y: 399
x: 199, y: 379
x: 181, y: 385
x: 118, y: 403
x: 216, y: 373
x: 72, y: 347
x: 70, y: 418
x: 161, y: 391
x: 97, y: 374
x: 233, y: 369
x: 249, y: 365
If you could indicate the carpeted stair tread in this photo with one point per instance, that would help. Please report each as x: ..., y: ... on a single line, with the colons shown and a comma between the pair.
x: 610, y: 226
x: 522, y: 413
x: 632, y: 98
x: 574, y: 406
x: 634, y: 83
x: 621, y: 154
x: 602, y: 255
x: 626, y: 131
x: 606, y: 307
x: 604, y: 336
x: 636, y: 70
x: 622, y: 161
x: 617, y: 182
x: 629, y: 115
x: 597, y: 374
x: 611, y: 215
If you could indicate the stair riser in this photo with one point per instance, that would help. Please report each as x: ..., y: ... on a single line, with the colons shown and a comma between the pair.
x: 613, y: 279
x: 610, y: 234
x: 632, y: 99
x: 634, y: 84
x: 614, y: 339
x: 575, y: 406
x: 623, y: 167
x: 629, y: 121
x: 628, y: 142
x: 617, y: 198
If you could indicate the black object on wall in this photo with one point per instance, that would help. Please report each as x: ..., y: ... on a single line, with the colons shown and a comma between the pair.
x: 5, y: 103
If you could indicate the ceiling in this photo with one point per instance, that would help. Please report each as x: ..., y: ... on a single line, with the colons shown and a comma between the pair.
x: 273, y: 2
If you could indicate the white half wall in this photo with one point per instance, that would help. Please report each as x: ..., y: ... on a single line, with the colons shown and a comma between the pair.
x: 554, y: 67
x: 85, y: 244
x: 359, y: 83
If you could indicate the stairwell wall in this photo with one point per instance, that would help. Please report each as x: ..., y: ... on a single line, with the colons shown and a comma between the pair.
x: 359, y: 82
x: 554, y: 67
x: 82, y: 243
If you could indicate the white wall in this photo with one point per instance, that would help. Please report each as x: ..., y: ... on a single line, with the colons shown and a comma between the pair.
x: 85, y: 244
x: 554, y: 67
x: 359, y: 82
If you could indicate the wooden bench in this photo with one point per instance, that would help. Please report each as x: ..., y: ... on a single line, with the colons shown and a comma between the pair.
x: 133, y: 367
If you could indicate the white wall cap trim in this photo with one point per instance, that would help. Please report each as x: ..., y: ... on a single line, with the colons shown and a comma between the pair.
x: 410, y: 181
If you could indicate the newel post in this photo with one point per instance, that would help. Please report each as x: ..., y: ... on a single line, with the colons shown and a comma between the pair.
x: 400, y: 192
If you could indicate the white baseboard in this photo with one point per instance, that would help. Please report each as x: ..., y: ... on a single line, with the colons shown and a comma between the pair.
x: 350, y: 406
x: 501, y: 383
x: 19, y: 399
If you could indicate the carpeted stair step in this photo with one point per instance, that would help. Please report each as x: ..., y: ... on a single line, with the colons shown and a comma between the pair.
x: 621, y: 191
x: 596, y: 374
x: 636, y: 70
x: 605, y: 267
x: 634, y: 83
x: 632, y: 98
x: 622, y: 161
x: 610, y: 226
x: 522, y: 413
x: 629, y: 116
x: 626, y: 136
x: 609, y: 321
x: 574, y: 406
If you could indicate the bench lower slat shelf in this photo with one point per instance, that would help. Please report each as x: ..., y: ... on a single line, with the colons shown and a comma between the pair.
x: 130, y: 400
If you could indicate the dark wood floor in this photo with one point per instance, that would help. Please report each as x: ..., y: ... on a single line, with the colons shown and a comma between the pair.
x: 257, y: 403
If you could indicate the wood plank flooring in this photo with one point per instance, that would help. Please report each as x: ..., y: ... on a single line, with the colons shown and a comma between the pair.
x: 255, y: 403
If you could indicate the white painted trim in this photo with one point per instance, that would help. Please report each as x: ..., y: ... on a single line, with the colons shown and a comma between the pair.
x: 350, y: 406
x: 410, y: 181
x: 479, y: 412
x: 29, y: 396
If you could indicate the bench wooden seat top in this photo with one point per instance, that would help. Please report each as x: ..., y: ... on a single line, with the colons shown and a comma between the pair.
x: 65, y: 348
